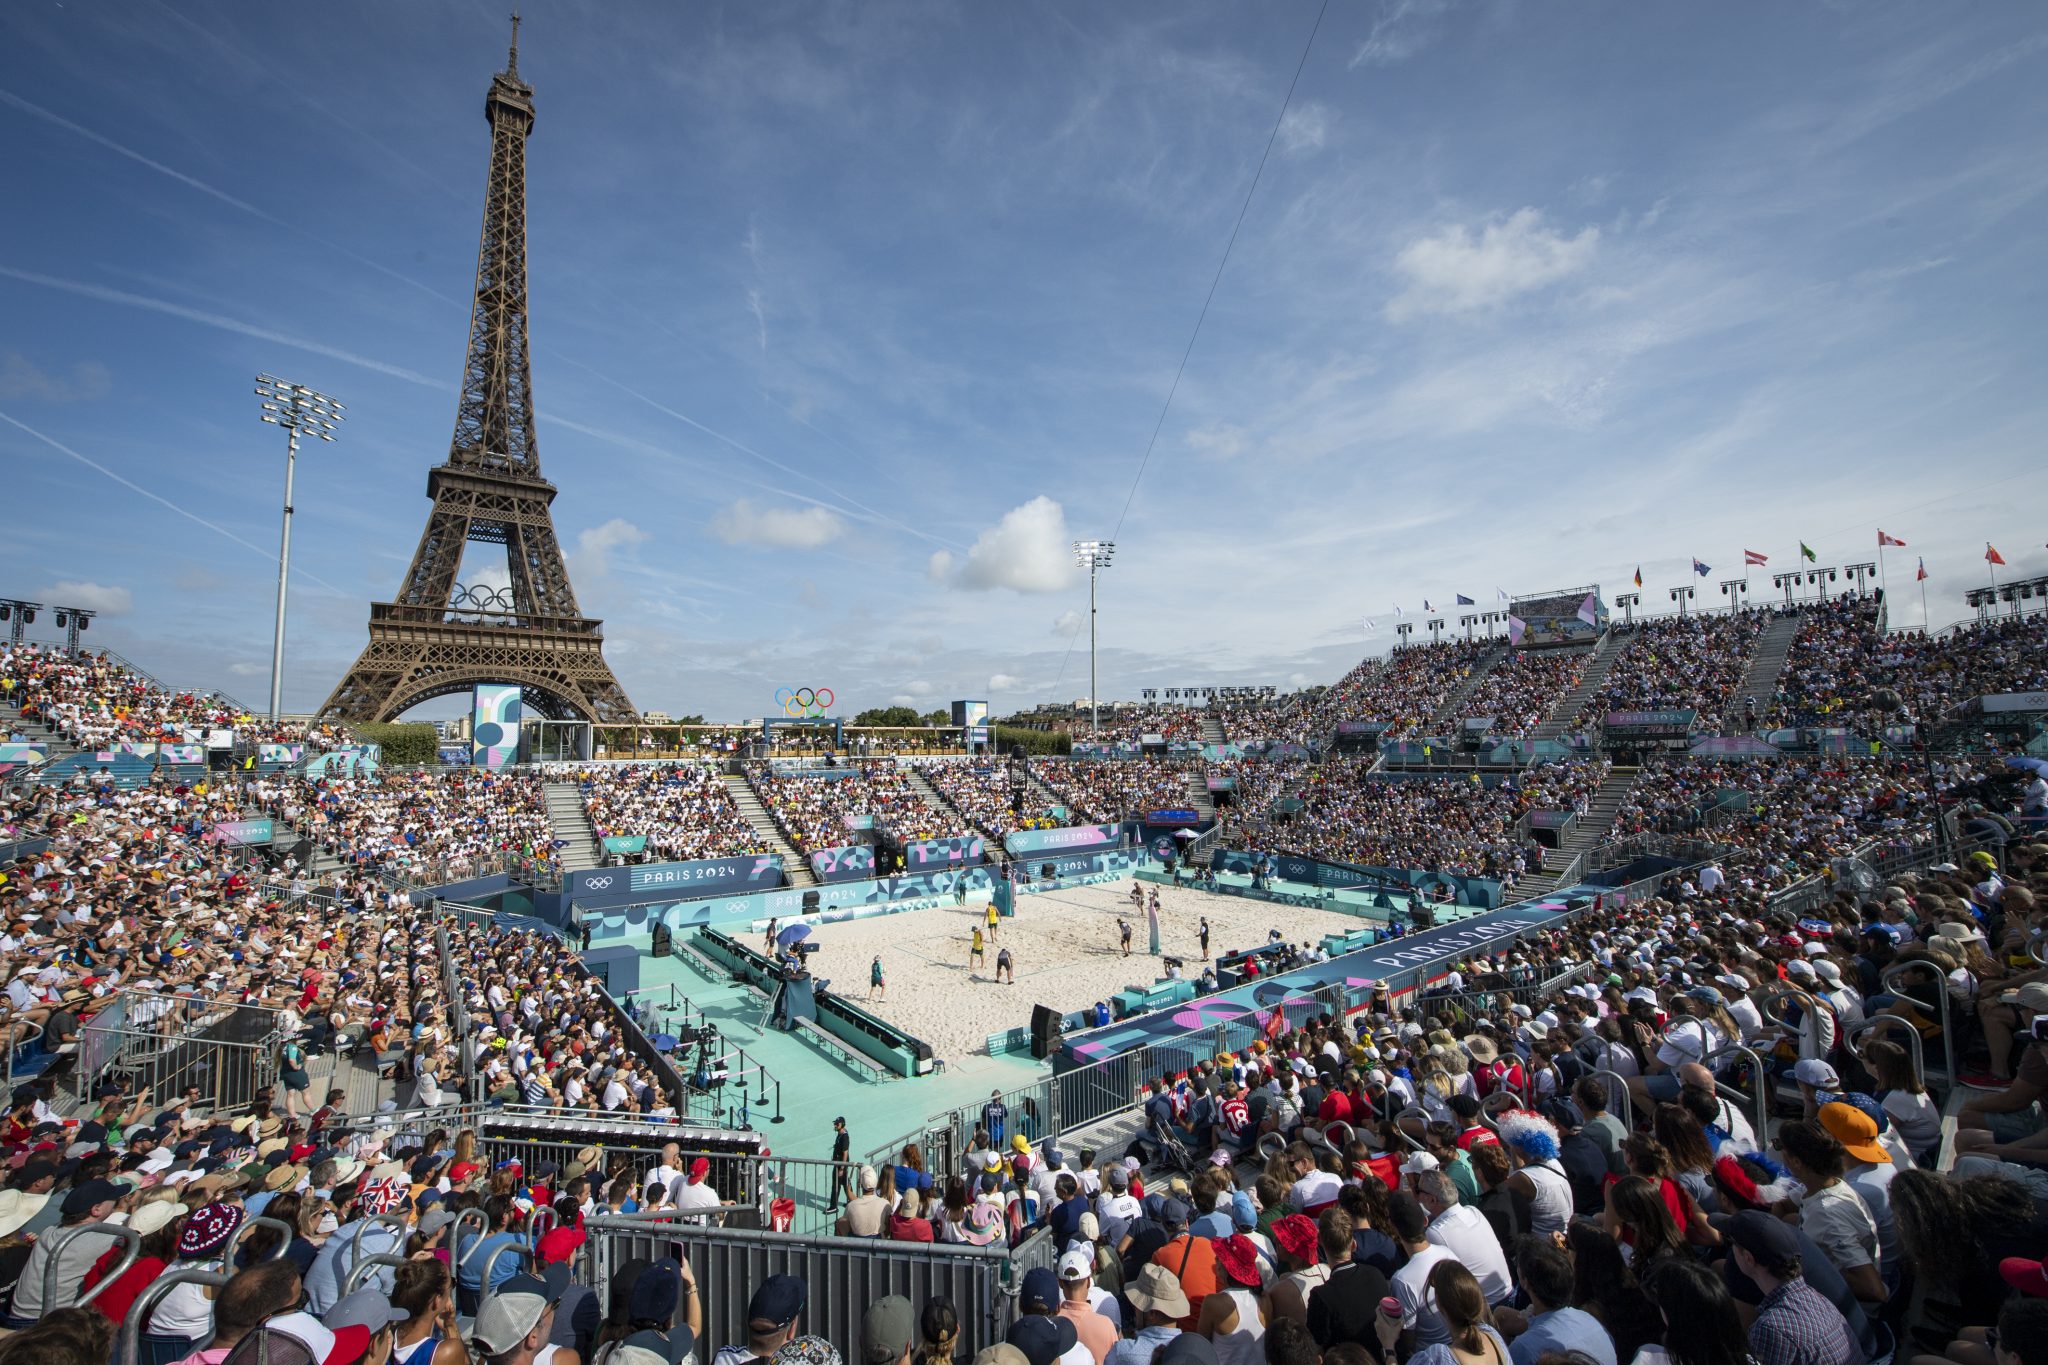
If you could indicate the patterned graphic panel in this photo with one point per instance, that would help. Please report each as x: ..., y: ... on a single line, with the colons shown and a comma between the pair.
x: 925, y: 855
x: 494, y: 733
x: 848, y: 864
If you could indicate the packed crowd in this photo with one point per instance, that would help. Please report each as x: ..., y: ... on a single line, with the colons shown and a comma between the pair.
x: 1791, y: 817
x: 1102, y: 790
x: 1841, y: 657
x: 1524, y: 687
x: 92, y: 701
x: 1682, y: 663
x: 1449, y: 825
x: 455, y: 822
x: 981, y: 790
x: 812, y: 810
x: 684, y: 811
x: 1403, y: 689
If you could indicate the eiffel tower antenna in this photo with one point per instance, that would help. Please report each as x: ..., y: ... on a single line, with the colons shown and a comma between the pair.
x: 440, y: 636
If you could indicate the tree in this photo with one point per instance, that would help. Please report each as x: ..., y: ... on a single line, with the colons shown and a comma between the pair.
x: 938, y: 718
x: 888, y: 716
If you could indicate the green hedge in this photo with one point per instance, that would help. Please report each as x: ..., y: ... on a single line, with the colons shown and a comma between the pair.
x: 1034, y: 741
x: 403, y: 744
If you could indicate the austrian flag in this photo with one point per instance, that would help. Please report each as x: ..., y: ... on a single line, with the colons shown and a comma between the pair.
x: 1752, y: 557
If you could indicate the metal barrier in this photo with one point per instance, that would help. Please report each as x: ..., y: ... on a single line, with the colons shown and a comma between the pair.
x: 1889, y: 1023
x: 844, y: 1274
x: 1760, y: 1101
x: 1619, y: 1102
x: 60, y: 1237
x: 366, y: 1267
x: 229, y: 1053
x: 285, y: 1230
x: 1897, y: 971
x: 130, y: 1347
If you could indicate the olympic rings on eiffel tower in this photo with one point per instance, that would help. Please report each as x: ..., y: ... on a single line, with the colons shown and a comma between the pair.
x: 806, y: 702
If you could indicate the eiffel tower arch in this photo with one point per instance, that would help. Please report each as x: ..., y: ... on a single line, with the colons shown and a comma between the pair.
x: 439, y: 636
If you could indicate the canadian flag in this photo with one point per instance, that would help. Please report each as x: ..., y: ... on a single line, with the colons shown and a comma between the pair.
x: 1884, y: 540
x: 1991, y: 555
x: 1752, y: 557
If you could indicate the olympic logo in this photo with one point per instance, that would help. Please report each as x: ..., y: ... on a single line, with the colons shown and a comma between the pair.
x: 596, y: 883
x: 807, y: 702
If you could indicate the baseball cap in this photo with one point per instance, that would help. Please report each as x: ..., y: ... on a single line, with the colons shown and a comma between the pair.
x: 1815, y: 1072
x: 1040, y: 1292
x: 1761, y: 1234
x: 366, y: 1308
x: 778, y: 1301
x: 1076, y: 1265
x: 2029, y: 1277
x: 1173, y: 1213
x: 300, y: 1339
x: 1042, y: 1339
x: 508, y: 1315
x: 82, y: 1198
x: 657, y: 1292
x: 2032, y: 996
x: 1408, y: 1216
x: 1418, y: 1162
x: 887, y: 1330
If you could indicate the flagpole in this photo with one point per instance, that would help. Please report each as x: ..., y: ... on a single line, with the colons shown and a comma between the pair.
x: 1991, y: 568
x: 1926, y: 624
x: 1881, y: 587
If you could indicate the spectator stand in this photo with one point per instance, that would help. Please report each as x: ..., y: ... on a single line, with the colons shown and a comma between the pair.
x: 171, y: 1042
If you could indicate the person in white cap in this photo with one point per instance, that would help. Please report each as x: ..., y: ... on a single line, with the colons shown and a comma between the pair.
x: 1077, y: 1304
x: 513, y: 1324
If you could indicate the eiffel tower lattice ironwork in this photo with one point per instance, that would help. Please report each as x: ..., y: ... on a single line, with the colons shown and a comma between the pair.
x: 440, y: 636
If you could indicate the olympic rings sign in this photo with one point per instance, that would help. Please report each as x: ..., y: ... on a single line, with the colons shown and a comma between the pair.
x: 596, y: 883
x: 807, y: 702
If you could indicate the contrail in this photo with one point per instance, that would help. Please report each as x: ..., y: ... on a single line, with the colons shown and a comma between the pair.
x: 133, y: 486
x: 99, y: 139
x: 225, y: 324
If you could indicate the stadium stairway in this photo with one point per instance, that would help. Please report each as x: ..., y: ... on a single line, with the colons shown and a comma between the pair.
x: 1462, y: 693
x: 795, y: 866
x: 924, y: 788
x: 1561, y: 716
x: 1587, y: 835
x: 1761, y: 682
x: 35, y: 732
x: 580, y: 850
x: 1212, y: 729
x: 1198, y: 796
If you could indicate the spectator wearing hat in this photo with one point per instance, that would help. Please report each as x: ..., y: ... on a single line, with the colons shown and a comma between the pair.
x: 90, y: 1202
x: 368, y: 1309
x: 186, y: 1311
x: 1868, y: 1170
x: 1339, y: 1308
x: 888, y: 1331
x: 1076, y: 1272
x: 514, y: 1321
x: 1831, y: 1212
x: 1300, y: 1268
x: 1192, y: 1259
x: 249, y: 1298
x: 157, y: 1223
x: 772, y: 1313
x: 1040, y: 1332
x: 1156, y: 1298
x: 1234, y: 1317
x: 1794, y: 1325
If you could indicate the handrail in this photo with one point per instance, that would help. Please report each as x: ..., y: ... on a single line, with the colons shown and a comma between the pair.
x: 1889, y: 1023
x: 483, y: 1279
x: 1759, y: 1101
x: 130, y: 1349
x: 367, y: 1266
x: 1896, y: 971
x: 1765, y: 999
x: 1617, y: 1085
x: 62, y: 1237
x: 393, y: 1221
x: 462, y: 1219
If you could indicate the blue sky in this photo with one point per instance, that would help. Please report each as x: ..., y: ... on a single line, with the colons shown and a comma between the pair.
x: 847, y: 318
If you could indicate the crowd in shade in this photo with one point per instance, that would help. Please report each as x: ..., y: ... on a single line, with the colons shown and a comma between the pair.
x: 1453, y: 825
x: 1404, y: 689
x: 94, y: 701
x: 451, y: 823
x: 683, y: 810
x: 1841, y: 657
x: 1106, y: 790
x: 1521, y: 690
x: 1690, y: 662
x: 1790, y: 818
x: 812, y: 808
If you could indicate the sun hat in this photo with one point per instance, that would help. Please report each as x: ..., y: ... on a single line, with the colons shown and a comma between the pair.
x: 1295, y: 1234
x: 1239, y: 1259
x: 1857, y: 1133
x: 1156, y: 1290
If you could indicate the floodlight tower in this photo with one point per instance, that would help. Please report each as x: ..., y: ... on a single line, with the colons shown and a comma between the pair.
x: 296, y: 408
x: 1094, y: 556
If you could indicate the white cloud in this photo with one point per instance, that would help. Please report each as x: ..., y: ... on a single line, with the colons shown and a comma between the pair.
x: 19, y: 378
x: 1401, y: 29
x: 919, y: 688
x: 90, y: 596
x: 940, y: 567
x: 1068, y: 623
x: 1029, y: 550
x: 249, y: 670
x: 1219, y: 440
x: 787, y: 528
x: 596, y: 543
x: 1003, y: 682
x: 1305, y: 128
x: 1451, y: 271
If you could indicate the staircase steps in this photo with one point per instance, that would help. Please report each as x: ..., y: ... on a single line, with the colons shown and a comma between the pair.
x: 1448, y: 713
x: 35, y: 732
x: 1198, y: 796
x: 1591, y: 831
x: 920, y: 784
x: 794, y: 865
x: 1212, y: 729
x: 1561, y: 716
x: 580, y: 849
x: 1773, y: 647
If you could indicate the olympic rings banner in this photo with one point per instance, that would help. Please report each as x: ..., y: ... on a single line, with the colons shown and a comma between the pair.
x: 849, y: 863
x: 662, y: 881
x: 921, y: 855
x: 809, y: 703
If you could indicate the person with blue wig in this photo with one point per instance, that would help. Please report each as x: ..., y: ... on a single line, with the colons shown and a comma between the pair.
x: 1531, y: 1140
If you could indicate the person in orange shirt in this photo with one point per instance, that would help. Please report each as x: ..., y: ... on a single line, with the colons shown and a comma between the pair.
x: 1192, y: 1259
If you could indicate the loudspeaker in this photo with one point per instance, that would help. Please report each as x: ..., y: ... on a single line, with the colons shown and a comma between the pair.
x: 810, y: 903
x: 1045, y: 1031
x: 664, y: 940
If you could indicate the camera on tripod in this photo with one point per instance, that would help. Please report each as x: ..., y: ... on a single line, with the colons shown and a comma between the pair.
x: 805, y: 949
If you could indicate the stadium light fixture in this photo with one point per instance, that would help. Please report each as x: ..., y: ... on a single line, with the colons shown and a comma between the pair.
x: 1681, y: 596
x: 1816, y: 577
x: 1404, y: 629
x: 72, y: 620
x: 1789, y: 582
x: 1466, y: 622
x: 1094, y: 556
x: 19, y: 616
x: 1862, y: 573
x: 297, y: 409
x: 1628, y: 602
x: 1734, y: 589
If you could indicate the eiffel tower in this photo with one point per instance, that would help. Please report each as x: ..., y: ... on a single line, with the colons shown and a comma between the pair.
x: 441, y: 636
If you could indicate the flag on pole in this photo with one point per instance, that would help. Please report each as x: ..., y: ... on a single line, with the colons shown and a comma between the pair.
x: 1501, y: 593
x: 1752, y: 557
x: 1884, y: 540
x: 1397, y: 611
x: 1921, y: 577
x: 1806, y: 553
x: 1639, y: 575
x: 1426, y: 606
x: 1991, y: 555
x: 1699, y: 568
x: 1516, y: 625
x: 1465, y: 601
x: 1276, y: 1022
x: 1370, y: 625
x: 1589, y: 610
